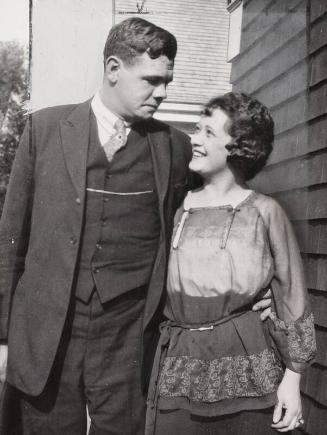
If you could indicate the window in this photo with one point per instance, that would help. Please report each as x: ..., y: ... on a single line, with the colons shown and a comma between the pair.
x: 235, y: 9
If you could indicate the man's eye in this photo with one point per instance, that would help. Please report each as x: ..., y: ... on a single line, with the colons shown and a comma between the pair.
x: 153, y: 82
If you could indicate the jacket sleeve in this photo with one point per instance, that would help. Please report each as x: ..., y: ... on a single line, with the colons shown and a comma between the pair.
x: 15, y: 224
x: 291, y: 323
x: 181, y: 156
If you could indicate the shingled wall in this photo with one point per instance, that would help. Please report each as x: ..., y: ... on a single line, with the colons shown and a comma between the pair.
x: 283, y: 63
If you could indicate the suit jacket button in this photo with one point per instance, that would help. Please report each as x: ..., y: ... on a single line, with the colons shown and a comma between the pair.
x: 78, y: 201
x: 73, y: 241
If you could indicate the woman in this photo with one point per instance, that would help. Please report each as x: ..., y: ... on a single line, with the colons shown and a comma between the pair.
x: 219, y: 369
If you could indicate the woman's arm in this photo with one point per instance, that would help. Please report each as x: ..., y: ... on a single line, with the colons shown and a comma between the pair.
x: 288, y: 410
x: 291, y: 322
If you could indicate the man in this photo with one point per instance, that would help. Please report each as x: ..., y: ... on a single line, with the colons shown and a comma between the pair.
x: 84, y: 241
x: 84, y: 238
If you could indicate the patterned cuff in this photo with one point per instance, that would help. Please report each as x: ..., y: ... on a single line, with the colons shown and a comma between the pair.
x: 300, y: 337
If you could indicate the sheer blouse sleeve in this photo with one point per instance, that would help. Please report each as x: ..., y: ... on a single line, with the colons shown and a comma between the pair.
x: 291, y: 322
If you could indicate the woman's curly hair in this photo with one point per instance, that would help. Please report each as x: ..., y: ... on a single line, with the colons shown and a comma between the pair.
x: 251, y: 128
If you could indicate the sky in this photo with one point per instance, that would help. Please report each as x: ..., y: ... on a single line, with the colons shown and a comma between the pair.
x: 14, y: 20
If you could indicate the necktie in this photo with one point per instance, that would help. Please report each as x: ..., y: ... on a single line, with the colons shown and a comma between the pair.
x: 116, y: 141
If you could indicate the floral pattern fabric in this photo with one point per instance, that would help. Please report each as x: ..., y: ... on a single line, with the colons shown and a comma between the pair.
x: 224, y: 378
x: 300, y: 336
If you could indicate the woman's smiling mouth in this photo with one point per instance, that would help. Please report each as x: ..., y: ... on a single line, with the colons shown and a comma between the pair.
x: 197, y: 153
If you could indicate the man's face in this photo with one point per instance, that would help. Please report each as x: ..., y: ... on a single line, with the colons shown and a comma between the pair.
x: 141, y: 87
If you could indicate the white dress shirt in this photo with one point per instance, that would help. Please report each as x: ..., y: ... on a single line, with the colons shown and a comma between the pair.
x: 105, y: 119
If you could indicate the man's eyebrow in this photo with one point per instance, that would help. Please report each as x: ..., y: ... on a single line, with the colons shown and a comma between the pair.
x: 158, y: 78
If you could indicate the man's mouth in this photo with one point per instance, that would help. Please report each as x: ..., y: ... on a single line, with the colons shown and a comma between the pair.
x: 151, y: 106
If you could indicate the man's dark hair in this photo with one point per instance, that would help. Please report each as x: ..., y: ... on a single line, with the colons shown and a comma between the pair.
x: 251, y: 128
x: 135, y: 36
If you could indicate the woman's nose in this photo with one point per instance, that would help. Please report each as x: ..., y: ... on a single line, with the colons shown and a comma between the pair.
x: 195, y: 139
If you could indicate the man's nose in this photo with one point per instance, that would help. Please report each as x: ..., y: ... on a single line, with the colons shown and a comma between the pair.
x: 160, y: 92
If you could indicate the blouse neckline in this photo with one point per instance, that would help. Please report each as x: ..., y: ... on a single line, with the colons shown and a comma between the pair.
x: 223, y: 206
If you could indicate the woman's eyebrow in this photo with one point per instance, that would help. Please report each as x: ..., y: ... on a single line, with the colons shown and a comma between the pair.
x: 209, y: 127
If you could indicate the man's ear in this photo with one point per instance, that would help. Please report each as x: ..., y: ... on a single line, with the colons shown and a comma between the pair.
x: 112, y: 68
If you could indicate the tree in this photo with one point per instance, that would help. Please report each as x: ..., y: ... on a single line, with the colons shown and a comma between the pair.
x: 13, y: 94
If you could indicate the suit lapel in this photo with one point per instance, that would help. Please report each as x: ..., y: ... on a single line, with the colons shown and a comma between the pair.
x: 75, y: 140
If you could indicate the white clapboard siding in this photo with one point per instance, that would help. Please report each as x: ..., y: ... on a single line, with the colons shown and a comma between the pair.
x: 201, y: 28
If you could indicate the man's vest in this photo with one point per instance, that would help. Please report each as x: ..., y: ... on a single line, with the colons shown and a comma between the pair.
x: 121, y: 225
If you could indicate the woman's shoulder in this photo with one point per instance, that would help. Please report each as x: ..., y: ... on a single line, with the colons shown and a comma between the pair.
x: 179, y: 212
x: 263, y: 200
x: 269, y: 208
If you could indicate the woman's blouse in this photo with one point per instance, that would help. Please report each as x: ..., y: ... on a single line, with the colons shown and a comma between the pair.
x: 217, y: 356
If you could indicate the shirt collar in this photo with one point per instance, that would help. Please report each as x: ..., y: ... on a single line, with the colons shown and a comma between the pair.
x: 103, y: 115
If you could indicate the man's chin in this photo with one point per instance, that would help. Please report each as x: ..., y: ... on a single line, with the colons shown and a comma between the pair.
x: 145, y: 115
x: 148, y: 115
x: 149, y: 110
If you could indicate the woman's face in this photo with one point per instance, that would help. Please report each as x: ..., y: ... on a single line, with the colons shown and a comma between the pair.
x: 209, y: 141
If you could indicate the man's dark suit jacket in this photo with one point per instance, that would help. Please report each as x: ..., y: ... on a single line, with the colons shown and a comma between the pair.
x: 42, y: 219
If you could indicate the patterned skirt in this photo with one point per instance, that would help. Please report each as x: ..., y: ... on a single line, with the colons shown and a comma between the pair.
x: 224, y: 368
